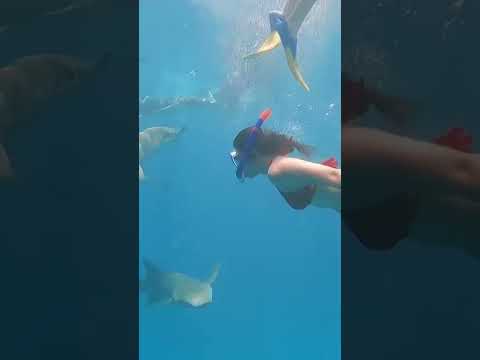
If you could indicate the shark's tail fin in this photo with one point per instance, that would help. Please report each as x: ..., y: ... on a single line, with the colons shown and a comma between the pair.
x: 214, y: 274
x: 181, y: 130
x: 270, y: 43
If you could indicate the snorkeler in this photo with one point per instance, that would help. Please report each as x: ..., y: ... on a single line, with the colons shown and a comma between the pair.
x: 152, y: 105
x: 389, y: 177
x: 301, y: 183
x: 30, y: 82
x: 284, y: 27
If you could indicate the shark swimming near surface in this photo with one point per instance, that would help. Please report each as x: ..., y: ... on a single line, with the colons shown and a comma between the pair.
x: 150, y: 105
x: 149, y: 141
x: 172, y: 287
x: 29, y: 83
x: 284, y: 27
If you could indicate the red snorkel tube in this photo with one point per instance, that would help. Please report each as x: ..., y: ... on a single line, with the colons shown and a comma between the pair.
x: 250, y: 143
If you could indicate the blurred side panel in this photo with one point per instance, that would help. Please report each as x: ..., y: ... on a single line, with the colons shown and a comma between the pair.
x: 69, y: 214
x: 410, y: 192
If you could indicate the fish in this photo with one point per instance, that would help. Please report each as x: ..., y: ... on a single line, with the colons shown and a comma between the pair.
x: 32, y: 81
x: 173, y: 287
x: 284, y: 27
x: 150, y: 105
x: 149, y: 141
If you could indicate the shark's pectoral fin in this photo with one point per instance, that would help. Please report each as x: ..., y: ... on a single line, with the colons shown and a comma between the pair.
x: 150, y: 267
x: 174, y: 297
x: 295, y: 69
x: 214, y: 274
x: 270, y: 43
x: 165, y: 300
x: 151, y: 300
x: 141, y: 174
x: 5, y: 167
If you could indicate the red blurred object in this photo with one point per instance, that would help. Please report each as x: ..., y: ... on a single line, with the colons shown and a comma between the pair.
x: 265, y: 114
x: 332, y: 162
x: 456, y: 138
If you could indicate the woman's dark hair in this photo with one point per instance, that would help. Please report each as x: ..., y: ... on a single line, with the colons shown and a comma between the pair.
x: 271, y: 143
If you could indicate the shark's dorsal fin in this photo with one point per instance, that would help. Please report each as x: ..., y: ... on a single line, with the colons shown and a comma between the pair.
x: 214, y: 274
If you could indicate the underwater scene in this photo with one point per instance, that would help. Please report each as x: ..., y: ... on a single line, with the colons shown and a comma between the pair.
x: 239, y: 251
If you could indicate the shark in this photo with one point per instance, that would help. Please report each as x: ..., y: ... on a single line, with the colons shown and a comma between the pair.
x: 150, y: 105
x: 173, y: 287
x: 150, y: 139
x: 284, y: 27
x: 29, y: 83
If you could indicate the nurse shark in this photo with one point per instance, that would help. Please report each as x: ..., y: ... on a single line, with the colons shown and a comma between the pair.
x: 149, y: 141
x: 150, y: 105
x: 172, y: 287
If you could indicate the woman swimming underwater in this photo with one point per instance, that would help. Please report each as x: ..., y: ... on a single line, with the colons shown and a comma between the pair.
x: 390, y: 177
x: 300, y: 182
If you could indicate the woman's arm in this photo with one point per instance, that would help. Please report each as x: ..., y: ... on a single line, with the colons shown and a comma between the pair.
x: 419, y: 165
x: 297, y: 172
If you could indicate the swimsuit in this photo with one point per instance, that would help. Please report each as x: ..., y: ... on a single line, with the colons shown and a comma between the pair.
x: 300, y: 199
x: 379, y: 227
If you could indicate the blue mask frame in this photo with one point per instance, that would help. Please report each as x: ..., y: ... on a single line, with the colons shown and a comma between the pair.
x: 240, y: 159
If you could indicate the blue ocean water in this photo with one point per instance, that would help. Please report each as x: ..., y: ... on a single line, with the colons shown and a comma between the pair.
x: 278, y: 292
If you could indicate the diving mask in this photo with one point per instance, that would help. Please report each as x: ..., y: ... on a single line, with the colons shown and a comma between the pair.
x: 240, y: 159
